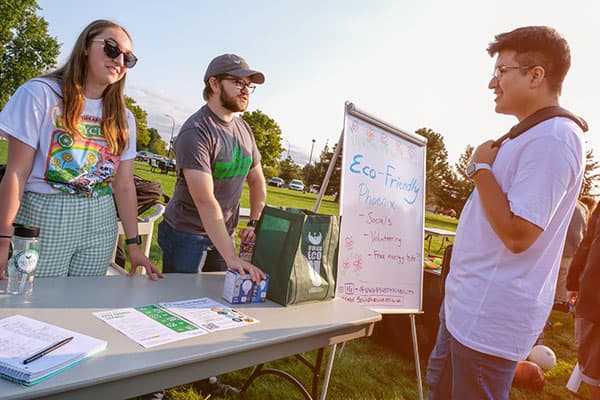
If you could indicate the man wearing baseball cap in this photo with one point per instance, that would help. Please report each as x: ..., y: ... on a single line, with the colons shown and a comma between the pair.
x: 215, y: 154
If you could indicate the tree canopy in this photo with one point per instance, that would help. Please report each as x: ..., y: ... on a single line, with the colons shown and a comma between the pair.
x: 289, y: 170
x: 459, y: 185
x: 267, y: 135
x: 156, y: 144
x: 591, y: 176
x: 26, y: 48
x: 146, y: 138
x: 142, y: 139
x: 316, y: 174
x: 436, y: 166
x: 446, y: 187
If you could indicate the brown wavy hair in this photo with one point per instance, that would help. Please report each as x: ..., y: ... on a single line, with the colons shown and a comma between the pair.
x: 72, y: 77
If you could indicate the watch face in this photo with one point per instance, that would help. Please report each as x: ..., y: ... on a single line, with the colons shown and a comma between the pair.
x: 135, y: 240
x: 471, y: 169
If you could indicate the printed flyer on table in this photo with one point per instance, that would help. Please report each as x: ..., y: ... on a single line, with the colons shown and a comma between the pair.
x: 157, y: 324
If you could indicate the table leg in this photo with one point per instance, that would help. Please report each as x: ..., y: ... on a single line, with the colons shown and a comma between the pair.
x: 342, y: 349
x: 328, y: 371
x: 317, y: 373
x: 259, y: 370
x: 428, y: 240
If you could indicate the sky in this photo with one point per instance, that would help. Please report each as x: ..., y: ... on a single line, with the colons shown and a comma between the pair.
x: 413, y: 64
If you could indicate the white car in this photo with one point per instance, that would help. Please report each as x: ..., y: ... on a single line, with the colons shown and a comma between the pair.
x: 277, y: 182
x: 314, y: 189
x: 143, y: 155
x: 296, y: 184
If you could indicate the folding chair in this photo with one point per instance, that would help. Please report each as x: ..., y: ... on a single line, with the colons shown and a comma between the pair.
x: 162, y: 165
x: 146, y: 230
x: 153, y: 164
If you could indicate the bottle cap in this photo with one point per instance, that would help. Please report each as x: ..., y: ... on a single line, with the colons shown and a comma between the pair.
x: 26, y: 231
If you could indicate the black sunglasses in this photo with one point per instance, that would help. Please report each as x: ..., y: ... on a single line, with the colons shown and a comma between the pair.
x: 112, y: 50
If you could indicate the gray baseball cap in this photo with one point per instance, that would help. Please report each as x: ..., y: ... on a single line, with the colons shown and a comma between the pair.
x: 233, y: 65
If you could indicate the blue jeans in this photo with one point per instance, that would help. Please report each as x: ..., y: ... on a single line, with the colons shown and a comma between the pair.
x: 457, y: 372
x: 439, y: 367
x: 479, y: 376
x: 185, y: 252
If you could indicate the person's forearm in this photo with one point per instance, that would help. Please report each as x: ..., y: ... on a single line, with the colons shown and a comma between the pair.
x: 126, y: 200
x: 258, y: 199
x: 10, y: 195
x: 257, y: 190
x: 214, y: 224
x: 11, y: 191
x: 13, y: 183
x: 507, y: 226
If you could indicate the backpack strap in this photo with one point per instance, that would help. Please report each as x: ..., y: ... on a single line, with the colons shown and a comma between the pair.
x: 537, y: 117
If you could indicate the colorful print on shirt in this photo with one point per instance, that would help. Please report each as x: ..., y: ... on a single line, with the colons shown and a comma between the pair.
x: 81, y: 164
x: 239, y: 165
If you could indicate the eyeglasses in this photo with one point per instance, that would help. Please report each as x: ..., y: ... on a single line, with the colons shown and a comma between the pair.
x: 112, y: 50
x: 241, y: 84
x: 501, y: 69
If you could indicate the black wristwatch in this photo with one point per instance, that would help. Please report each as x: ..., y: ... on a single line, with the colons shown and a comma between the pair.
x: 252, y: 223
x: 134, y: 240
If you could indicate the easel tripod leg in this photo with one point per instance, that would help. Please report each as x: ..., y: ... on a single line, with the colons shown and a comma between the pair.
x: 413, y: 327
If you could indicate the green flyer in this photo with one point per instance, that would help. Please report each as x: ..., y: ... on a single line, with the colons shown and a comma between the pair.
x: 167, y: 319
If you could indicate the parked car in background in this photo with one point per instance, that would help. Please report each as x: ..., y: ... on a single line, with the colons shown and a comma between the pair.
x: 143, y: 155
x: 314, y: 189
x: 276, y: 181
x: 296, y: 184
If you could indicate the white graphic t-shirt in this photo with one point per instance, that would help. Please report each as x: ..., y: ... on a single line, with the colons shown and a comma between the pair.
x: 76, y: 164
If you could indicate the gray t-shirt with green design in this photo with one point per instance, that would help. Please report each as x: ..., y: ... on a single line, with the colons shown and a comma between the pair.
x: 227, y: 151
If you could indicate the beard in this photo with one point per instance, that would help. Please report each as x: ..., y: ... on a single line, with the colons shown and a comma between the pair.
x: 232, y: 103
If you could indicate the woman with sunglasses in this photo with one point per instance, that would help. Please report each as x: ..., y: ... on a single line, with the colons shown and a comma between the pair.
x: 71, y: 144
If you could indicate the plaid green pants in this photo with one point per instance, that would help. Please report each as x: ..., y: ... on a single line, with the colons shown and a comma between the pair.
x: 77, y: 234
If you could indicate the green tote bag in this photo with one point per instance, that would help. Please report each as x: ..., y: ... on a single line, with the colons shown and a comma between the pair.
x: 299, y: 251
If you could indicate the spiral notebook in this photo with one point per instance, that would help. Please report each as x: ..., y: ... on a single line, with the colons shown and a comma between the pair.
x: 22, y: 337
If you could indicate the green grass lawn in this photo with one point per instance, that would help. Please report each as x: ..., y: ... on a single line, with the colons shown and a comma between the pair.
x: 366, y: 369
x: 3, y: 151
x: 369, y: 371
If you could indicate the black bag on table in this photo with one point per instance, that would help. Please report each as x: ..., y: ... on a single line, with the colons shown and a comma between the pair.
x: 299, y: 251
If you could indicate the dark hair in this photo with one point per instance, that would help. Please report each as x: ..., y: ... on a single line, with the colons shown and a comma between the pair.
x: 537, y: 45
x: 207, y: 92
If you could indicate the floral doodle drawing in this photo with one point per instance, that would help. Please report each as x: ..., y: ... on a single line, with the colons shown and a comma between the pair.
x: 371, y: 134
x: 349, y: 242
x: 358, y: 263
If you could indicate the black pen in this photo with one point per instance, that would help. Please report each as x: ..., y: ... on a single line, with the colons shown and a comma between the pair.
x: 47, y: 350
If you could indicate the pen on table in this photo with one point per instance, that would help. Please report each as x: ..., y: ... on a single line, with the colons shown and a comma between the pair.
x: 47, y: 350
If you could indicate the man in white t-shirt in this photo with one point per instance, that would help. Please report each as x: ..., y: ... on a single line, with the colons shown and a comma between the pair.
x: 510, y: 236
